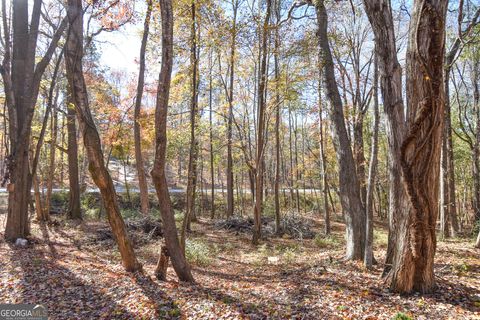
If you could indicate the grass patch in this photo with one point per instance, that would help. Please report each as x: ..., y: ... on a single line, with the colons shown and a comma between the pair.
x: 129, y: 213
x: 401, y: 316
x: 329, y: 241
x: 380, y: 238
x: 198, y: 252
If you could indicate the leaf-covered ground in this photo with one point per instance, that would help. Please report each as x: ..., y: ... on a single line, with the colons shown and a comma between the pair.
x: 80, y: 278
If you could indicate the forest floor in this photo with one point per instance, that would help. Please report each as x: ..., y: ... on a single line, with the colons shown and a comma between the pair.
x: 77, y: 278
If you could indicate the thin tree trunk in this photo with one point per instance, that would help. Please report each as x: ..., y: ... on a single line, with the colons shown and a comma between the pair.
x: 51, y: 174
x: 210, y: 105
x: 38, y: 199
x: 444, y: 190
x: 372, y: 170
x: 74, y: 208
x: 323, y: 168
x: 172, y: 247
x: 193, y: 153
x: 141, y: 174
x: 230, y: 197
x: 277, y: 119
x: 260, y: 156
x: 476, y: 144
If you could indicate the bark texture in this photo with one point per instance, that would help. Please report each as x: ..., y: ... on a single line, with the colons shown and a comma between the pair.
x: 412, y: 268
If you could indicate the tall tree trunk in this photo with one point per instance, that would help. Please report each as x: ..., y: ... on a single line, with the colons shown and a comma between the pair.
x: 141, y: 174
x: 210, y: 105
x: 295, y: 158
x: 38, y: 198
x: 412, y: 268
x: 380, y: 16
x: 476, y: 144
x: 323, y: 159
x: 230, y: 197
x: 193, y: 153
x: 372, y: 170
x: 350, y: 197
x: 277, y: 118
x: 91, y: 139
x: 74, y: 208
x: 51, y: 174
x: 260, y: 156
x: 18, y: 162
x: 172, y: 247
x: 444, y: 188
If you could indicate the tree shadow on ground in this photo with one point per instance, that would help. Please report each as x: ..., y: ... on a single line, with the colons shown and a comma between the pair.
x: 69, y: 288
x: 165, y: 307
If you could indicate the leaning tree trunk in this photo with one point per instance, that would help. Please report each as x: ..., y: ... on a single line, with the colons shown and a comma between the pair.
x: 412, y: 268
x: 91, y: 139
x: 172, y: 249
x: 142, y: 178
x: 349, y: 185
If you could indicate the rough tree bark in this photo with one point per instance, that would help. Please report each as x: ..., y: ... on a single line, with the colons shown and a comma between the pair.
x: 141, y: 174
x: 172, y: 247
x: 380, y: 16
x: 349, y: 185
x: 91, y: 139
x: 412, y: 268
